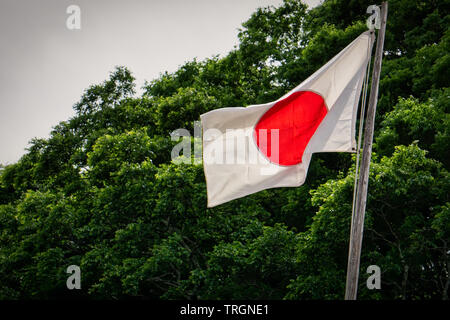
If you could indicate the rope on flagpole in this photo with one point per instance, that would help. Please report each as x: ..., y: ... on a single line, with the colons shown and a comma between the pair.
x: 361, y: 123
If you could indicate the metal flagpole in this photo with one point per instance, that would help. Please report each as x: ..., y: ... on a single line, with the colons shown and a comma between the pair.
x: 357, y: 226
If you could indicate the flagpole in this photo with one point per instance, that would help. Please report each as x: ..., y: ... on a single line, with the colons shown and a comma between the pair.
x: 357, y: 226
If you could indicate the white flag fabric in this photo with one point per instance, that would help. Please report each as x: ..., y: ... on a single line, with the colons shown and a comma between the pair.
x: 246, y: 150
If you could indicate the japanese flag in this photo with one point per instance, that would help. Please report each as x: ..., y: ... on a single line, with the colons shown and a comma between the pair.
x: 246, y: 150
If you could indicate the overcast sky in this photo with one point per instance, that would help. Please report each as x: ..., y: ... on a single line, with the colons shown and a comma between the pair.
x: 45, y: 67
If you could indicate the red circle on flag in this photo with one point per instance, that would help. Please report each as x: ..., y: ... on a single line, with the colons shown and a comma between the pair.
x: 296, y: 118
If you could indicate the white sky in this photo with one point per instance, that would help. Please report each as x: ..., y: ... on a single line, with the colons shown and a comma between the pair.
x: 45, y: 67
